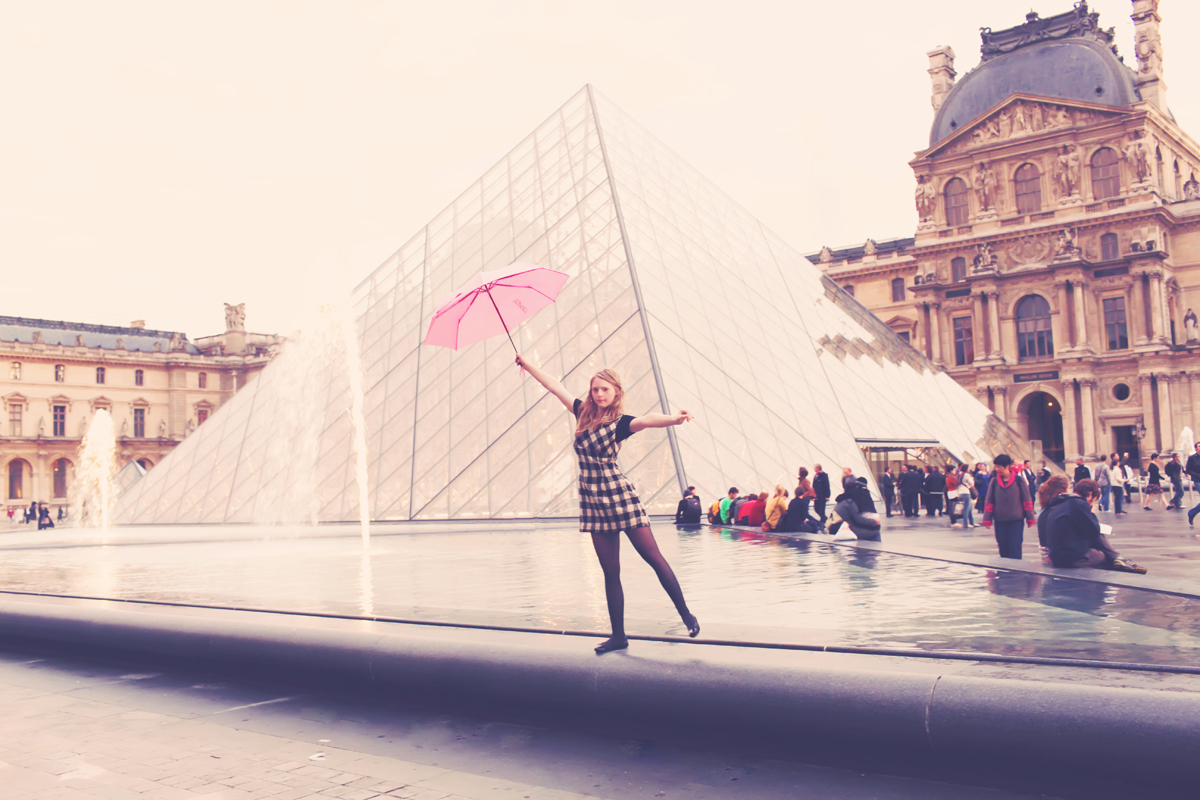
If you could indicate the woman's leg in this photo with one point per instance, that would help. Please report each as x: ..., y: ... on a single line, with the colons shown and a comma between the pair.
x: 643, y: 541
x: 608, y: 550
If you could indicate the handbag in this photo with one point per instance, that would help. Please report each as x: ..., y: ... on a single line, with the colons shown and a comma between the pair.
x: 974, y: 494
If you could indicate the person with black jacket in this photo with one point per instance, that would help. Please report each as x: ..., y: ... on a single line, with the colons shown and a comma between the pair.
x: 910, y: 490
x: 1174, y: 472
x: 821, y: 488
x: 1192, y: 468
x: 1073, y: 533
x: 1082, y: 473
x: 688, y: 511
x: 887, y: 485
x: 935, y: 490
x: 847, y: 510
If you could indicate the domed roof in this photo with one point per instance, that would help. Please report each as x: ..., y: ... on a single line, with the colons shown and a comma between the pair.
x: 1066, y: 56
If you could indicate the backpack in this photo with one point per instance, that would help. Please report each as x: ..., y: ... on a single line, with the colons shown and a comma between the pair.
x: 693, y: 504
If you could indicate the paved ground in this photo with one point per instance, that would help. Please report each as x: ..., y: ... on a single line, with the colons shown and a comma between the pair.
x: 74, y: 730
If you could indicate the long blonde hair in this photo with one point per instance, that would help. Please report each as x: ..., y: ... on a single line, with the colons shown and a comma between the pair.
x: 590, y: 415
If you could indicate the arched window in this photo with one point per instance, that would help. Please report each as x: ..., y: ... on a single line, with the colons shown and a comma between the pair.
x: 1178, y: 182
x: 16, y: 479
x: 1034, y: 336
x: 958, y: 269
x: 1159, y: 160
x: 61, y: 477
x: 1109, y: 249
x: 1106, y: 179
x: 203, y: 380
x: 1029, y: 189
x: 956, y: 202
x: 898, y: 290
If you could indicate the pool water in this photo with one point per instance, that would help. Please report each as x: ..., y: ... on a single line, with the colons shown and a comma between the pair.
x: 742, y: 585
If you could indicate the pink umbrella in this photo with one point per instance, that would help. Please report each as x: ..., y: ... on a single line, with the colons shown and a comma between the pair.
x: 494, y: 301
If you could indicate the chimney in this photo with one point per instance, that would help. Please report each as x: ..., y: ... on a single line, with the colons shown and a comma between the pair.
x: 941, y: 70
x: 138, y: 323
x: 1148, y: 46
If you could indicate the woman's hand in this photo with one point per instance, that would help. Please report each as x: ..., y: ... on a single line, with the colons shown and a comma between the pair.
x: 520, y: 361
x: 682, y: 417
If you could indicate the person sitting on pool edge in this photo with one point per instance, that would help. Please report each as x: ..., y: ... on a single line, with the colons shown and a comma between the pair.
x: 1073, y: 532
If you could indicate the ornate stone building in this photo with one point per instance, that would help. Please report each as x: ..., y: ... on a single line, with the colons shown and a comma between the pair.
x: 1056, y: 260
x: 157, y: 385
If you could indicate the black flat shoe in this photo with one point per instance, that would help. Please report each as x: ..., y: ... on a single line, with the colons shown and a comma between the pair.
x: 609, y: 645
x: 693, y: 627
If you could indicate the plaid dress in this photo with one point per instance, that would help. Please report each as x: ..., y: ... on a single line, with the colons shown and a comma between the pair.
x: 607, y: 500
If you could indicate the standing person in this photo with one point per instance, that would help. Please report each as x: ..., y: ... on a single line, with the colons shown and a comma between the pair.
x: 1030, y: 476
x: 910, y: 490
x: 688, y: 511
x: 1154, y: 484
x: 1008, y: 503
x: 1082, y: 473
x: 967, y: 496
x: 727, y: 505
x: 1116, y: 476
x: 982, y: 477
x: 887, y: 485
x: 804, y: 492
x: 820, y: 483
x: 1127, y: 468
x: 951, y: 493
x: 1192, y: 468
x: 608, y: 502
x: 1174, y: 471
x: 1104, y: 481
x: 935, y: 490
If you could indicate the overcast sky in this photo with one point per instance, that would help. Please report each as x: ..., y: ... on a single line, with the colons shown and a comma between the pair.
x: 160, y: 158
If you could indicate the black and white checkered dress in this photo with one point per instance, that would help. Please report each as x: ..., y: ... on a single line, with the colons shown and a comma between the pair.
x: 607, y: 500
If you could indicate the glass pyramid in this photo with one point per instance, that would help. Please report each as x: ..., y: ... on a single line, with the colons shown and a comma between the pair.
x: 687, y: 296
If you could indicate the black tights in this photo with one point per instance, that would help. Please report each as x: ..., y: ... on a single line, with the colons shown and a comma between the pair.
x: 608, y: 550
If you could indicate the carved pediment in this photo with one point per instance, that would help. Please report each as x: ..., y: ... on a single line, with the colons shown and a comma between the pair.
x: 1019, y: 116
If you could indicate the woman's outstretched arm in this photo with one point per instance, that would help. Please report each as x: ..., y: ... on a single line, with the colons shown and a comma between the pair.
x: 553, y: 385
x: 659, y: 421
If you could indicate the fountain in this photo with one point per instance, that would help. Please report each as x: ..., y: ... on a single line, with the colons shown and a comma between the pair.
x: 95, y: 492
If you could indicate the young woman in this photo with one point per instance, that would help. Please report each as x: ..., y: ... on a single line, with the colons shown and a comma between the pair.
x: 1154, y: 484
x: 608, y: 503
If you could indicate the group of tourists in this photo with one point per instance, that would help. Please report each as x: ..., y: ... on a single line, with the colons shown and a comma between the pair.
x: 804, y: 510
x: 36, y: 512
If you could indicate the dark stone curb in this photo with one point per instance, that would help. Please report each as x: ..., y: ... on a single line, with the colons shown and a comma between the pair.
x: 849, y: 701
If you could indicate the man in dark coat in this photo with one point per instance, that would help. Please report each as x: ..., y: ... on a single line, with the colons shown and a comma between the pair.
x: 1174, y: 471
x: 887, y: 485
x: 935, y: 490
x: 1192, y: 468
x: 1082, y: 473
x: 688, y: 511
x: 821, y: 487
x: 1073, y: 532
x: 910, y: 489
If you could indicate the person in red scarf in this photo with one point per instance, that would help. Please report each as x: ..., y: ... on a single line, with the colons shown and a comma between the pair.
x: 1008, y: 503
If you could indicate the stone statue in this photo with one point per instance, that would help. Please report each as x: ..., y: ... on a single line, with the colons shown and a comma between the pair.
x: 1148, y: 49
x: 926, y: 198
x: 157, y: 346
x: 177, y: 343
x: 79, y: 340
x: 1066, y: 246
x: 124, y: 428
x: 120, y: 343
x: 985, y: 186
x: 826, y: 255
x: 1137, y: 153
x: 41, y: 427
x: 984, y: 257
x: 37, y: 337
x: 1066, y: 171
x: 1191, y: 190
x: 235, y: 317
x: 191, y: 426
x: 1189, y: 325
x: 869, y: 248
x: 162, y: 429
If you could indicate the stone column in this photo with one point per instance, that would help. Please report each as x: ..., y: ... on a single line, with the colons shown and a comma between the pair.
x: 935, y: 331
x: 1137, y: 314
x: 978, y: 331
x: 1148, y: 413
x: 1058, y: 322
x: 994, y: 325
x: 1194, y: 386
x: 1070, y: 421
x: 1081, y: 335
x: 1156, y: 320
x: 981, y: 392
x: 1088, y: 414
x: 1001, y: 395
x: 1166, y: 420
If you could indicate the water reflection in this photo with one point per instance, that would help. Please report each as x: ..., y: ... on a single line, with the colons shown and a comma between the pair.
x: 744, y: 585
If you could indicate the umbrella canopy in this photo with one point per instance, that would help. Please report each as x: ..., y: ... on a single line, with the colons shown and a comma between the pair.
x: 492, y: 303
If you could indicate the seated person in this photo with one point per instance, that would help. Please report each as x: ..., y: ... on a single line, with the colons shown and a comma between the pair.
x: 847, y: 511
x: 688, y: 511
x: 1052, y: 487
x: 776, y: 507
x: 753, y: 511
x: 1073, y: 532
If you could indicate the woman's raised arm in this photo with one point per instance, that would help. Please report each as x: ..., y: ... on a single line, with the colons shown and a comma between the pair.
x: 553, y: 385
x: 659, y: 420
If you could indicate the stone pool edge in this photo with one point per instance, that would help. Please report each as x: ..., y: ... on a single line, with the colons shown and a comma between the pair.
x: 855, y: 701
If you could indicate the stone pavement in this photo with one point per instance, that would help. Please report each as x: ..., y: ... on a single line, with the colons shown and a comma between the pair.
x: 72, y: 730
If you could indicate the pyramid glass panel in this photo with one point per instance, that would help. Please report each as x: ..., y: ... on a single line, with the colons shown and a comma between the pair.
x: 671, y: 283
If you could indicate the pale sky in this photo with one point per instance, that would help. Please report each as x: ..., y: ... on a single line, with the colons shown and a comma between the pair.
x: 160, y: 158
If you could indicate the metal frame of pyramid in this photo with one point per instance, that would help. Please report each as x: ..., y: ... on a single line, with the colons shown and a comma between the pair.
x: 692, y: 300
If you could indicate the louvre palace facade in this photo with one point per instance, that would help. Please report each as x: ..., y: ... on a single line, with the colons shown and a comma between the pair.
x: 1055, y: 264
